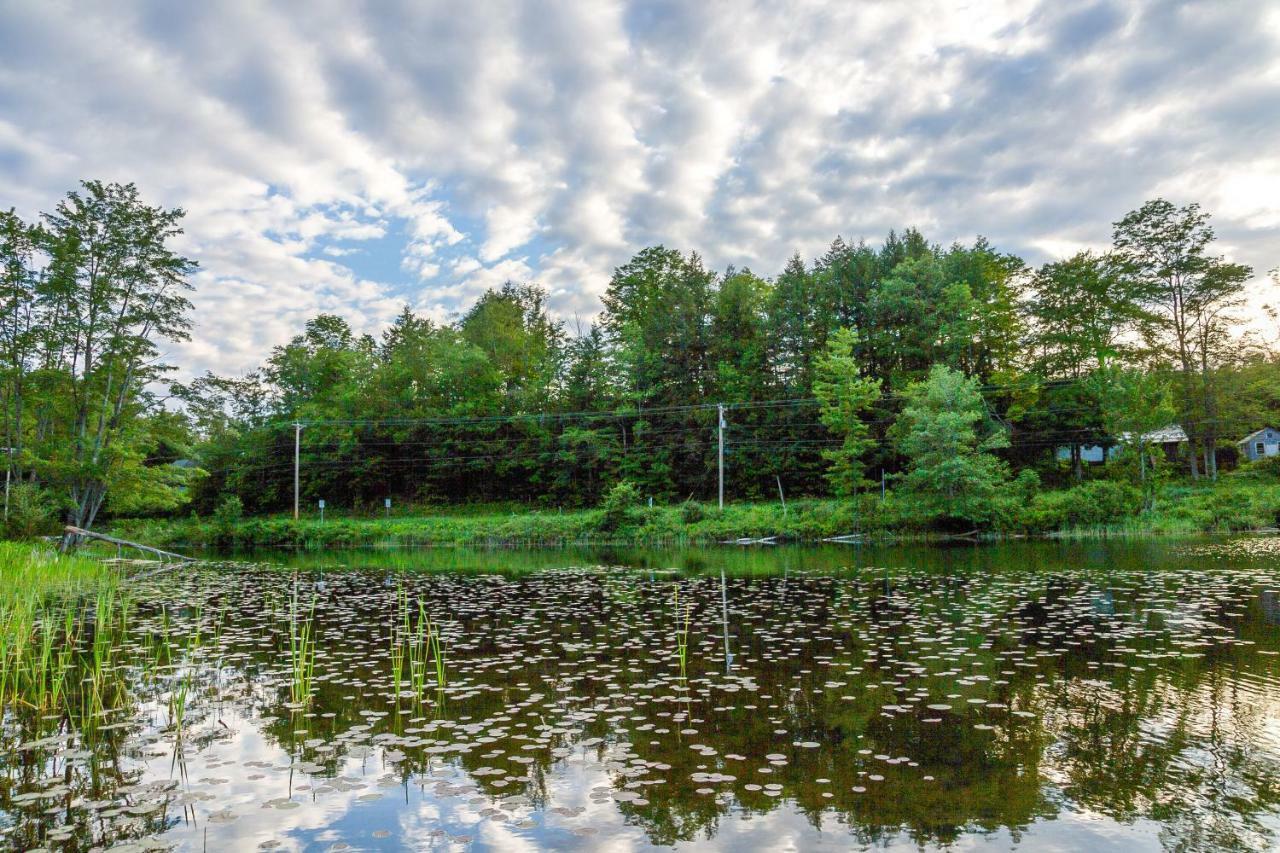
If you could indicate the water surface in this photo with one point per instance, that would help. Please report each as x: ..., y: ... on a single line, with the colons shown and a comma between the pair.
x: 1038, y: 695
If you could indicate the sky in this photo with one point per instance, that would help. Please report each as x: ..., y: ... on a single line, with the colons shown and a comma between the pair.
x: 354, y: 158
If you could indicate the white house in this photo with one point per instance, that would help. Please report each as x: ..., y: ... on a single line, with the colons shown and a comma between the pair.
x: 1168, y: 438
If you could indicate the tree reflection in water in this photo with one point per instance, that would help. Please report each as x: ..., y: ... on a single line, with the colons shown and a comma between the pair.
x: 922, y: 704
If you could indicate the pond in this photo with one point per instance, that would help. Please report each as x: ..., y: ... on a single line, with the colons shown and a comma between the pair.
x: 1040, y: 695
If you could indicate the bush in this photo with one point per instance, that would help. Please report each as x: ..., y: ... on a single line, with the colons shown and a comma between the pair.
x: 1026, y: 485
x: 230, y: 510
x: 1097, y: 502
x: 1267, y: 468
x: 692, y: 513
x: 32, y: 512
x: 619, y: 506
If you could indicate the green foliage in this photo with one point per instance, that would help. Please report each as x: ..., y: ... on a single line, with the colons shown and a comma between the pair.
x: 1133, y: 405
x: 1165, y: 253
x: 506, y: 403
x: 948, y: 438
x: 1025, y: 486
x: 1265, y: 469
x: 1095, y: 503
x: 230, y: 510
x: 1093, y: 508
x: 620, y: 506
x: 88, y: 297
x: 32, y: 512
x: 692, y: 513
x: 846, y: 396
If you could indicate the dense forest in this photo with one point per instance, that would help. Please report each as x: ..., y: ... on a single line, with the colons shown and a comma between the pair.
x: 948, y: 370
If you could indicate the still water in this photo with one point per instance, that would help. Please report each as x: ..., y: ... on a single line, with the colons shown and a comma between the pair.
x: 1028, y: 695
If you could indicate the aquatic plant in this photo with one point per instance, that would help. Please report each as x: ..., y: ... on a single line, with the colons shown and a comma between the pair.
x: 682, y: 630
x: 433, y: 646
x: 44, y: 610
x: 418, y: 645
x: 302, y: 650
x: 178, y: 704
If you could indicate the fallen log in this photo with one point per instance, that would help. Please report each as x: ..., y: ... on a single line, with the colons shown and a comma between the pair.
x: 77, y: 532
x: 747, y: 540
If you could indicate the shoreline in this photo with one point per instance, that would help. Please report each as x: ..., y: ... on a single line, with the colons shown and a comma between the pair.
x: 811, y: 522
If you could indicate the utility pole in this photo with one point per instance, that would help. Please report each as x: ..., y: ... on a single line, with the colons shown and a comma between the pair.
x: 720, y: 413
x: 297, y: 443
x: 8, y: 471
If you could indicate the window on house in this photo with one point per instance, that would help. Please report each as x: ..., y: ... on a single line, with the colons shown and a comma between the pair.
x: 1259, y: 449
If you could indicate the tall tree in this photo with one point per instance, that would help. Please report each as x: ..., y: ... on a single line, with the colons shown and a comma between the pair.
x: 114, y: 288
x: 1166, y: 253
x: 794, y: 329
x: 513, y: 327
x: 657, y: 321
x: 19, y: 318
x: 846, y: 397
x: 1083, y: 314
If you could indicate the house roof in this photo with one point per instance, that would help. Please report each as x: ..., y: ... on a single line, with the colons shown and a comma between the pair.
x: 1171, y: 434
x: 1254, y: 434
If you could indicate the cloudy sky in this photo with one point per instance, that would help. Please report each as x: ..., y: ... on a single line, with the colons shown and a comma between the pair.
x: 354, y: 157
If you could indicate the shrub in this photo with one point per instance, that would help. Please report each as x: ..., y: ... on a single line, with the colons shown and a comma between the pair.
x: 229, y: 511
x: 1266, y: 468
x: 1026, y: 485
x: 1096, y: 502
x: 692, y: 513
x: 32, y: 512
x: 619, y: 506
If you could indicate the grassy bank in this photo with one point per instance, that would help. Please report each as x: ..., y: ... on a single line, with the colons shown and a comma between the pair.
x: 1094, y: 508
x: 36, y: 573
x: 49, y: 607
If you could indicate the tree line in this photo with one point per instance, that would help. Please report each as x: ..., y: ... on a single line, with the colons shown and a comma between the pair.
x: 948, y: 369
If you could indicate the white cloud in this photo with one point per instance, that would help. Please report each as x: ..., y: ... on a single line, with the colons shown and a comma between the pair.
x: 550, y: 142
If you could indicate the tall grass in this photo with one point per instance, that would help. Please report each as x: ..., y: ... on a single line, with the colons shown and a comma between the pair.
x: 417, y: 645
x: 682, y: 630
x: 60, y: 617
x: 302, y: 650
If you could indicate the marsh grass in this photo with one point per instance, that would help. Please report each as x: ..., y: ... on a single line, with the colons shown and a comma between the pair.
x: 60, y: 619
x: 415, y: 644
x: 302, y: 650
x: 682, y: 629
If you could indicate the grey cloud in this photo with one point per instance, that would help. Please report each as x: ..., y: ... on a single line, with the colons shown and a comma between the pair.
x: 574, y: 134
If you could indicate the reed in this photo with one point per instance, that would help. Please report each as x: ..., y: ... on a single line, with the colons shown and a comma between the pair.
x: 302, y: 650
x: 434, y: 645
x: 682, y: 630
x: 48, y: 605
x: 398, y: 639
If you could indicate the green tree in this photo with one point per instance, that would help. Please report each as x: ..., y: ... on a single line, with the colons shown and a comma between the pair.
x: 1135, y: 403
x: 846, y: 396
x: 112, y: 291
x: 20, y: 315
x: 657, y: 324
x: 1082, y: 313
x: 513, y: 328
x: 1165, y: 251
x: 949, y: 437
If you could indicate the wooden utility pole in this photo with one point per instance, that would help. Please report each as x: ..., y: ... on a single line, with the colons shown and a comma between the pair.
x: 720, y: 455
x: 297, y: 443
x: 8, y: 472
